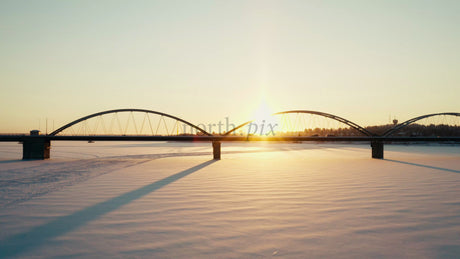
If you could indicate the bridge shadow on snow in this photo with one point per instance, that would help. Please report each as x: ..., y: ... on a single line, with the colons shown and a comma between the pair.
x: 426, y: 166
x: 12, y: 161
x: 24, y: 242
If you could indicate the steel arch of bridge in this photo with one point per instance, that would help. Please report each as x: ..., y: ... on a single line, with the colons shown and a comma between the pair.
x: 323, y: 114
x: 408, y: 122
x: 54, y: 133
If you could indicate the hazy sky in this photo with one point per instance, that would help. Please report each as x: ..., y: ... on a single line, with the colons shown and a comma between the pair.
x: 206, y: 60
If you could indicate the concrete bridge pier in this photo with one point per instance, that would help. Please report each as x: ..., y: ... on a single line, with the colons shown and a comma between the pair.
x: 216, y: 150
x: 377, y: 149
x: 36, y: 148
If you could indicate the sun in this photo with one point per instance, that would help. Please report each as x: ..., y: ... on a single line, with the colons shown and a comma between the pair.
x: 264, y: 121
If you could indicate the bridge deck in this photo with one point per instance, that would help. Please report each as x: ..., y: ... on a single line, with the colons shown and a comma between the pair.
x: 15, y: 138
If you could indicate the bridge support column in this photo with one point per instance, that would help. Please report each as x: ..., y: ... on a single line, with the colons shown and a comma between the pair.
x: 377, y: 149
x: 216, y: 150
x: 36, y: 148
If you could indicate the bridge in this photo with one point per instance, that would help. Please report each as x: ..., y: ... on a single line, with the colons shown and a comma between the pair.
x: 138, y: 126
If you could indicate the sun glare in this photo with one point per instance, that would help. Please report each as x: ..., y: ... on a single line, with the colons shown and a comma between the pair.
x: 264, y: 120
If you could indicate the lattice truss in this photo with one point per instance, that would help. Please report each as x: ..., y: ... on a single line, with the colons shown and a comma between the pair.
x: 130, y: 123
x: 311, y: 124
x: 438, y: 125
x: 298, y: 124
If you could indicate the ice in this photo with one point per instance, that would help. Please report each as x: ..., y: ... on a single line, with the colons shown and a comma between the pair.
x: 288, y: 200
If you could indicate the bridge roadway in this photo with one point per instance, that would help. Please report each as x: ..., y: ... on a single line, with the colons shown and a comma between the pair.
x: 38, y: 146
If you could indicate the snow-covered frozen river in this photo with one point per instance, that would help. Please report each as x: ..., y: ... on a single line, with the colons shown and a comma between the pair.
x: 170, y: 200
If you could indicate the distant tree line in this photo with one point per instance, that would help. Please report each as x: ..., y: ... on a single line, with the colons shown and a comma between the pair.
x: 409, y: 130
x: 419, y: 130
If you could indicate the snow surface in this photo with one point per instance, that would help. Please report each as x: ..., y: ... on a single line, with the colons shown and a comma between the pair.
x: 288, y: 200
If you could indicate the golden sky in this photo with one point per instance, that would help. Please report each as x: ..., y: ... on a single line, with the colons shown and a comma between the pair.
x: 207, y: 60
